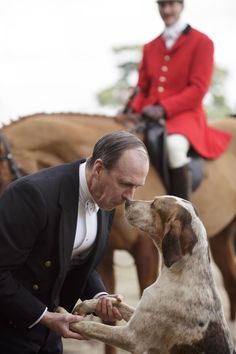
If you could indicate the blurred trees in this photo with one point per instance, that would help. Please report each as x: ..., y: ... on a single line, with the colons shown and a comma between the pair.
x: 216, y: 103
x: 129, y: 57
x: 117, y: 95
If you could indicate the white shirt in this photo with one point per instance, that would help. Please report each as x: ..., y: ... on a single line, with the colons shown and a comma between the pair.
x: 86, y: 229
x: 172, y: 33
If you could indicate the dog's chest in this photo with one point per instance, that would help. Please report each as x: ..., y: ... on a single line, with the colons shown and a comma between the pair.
x: 189, y: 302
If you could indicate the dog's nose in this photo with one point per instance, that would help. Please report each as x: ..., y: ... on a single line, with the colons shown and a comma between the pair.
x: 128, y: 202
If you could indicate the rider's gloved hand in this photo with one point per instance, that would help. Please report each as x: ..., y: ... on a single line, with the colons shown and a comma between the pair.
x: 155, y: 113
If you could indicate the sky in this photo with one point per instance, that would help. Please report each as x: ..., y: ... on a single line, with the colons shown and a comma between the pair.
x: 55, y: 55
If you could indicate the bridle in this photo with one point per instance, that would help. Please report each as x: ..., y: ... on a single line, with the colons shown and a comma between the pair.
x: 131, y: 122
x: 15, y: 170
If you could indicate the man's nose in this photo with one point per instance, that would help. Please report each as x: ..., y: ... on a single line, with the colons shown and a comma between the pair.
x: 129, y: 194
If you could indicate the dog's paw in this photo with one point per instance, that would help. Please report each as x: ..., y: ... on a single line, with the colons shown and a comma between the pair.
x: 85, y: 308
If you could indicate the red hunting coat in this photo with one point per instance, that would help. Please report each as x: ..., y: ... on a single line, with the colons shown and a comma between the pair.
x: 177, y: 79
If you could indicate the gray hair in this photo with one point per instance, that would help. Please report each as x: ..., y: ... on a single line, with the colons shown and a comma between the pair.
x: 112, y: 145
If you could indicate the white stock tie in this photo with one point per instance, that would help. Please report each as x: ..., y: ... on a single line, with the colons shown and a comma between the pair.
x: 90, y: 207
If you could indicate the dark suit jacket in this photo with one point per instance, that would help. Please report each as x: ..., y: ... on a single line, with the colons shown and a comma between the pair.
x: 38, y: 216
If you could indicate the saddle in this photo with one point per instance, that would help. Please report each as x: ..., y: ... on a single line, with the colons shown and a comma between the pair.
x: 155, y: 141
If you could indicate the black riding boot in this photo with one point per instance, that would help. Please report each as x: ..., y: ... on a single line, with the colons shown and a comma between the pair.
x: 181, y: 182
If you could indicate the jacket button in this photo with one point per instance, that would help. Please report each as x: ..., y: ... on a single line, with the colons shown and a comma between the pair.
x: 164, y: 68
x: 160, y: 89
x: 48, y: 264
x: 35, y: 287
x: 162, y: 79
x: 167, y: 57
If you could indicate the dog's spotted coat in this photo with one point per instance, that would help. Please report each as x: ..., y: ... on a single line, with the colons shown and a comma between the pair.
x: 181, y: 313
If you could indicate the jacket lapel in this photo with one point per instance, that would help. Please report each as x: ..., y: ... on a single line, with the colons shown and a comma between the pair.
x: 68, y: 201
x: 182, y: 39
x: 102, y: 236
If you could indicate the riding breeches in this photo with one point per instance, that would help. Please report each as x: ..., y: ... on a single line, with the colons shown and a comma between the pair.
x: 177, y: 150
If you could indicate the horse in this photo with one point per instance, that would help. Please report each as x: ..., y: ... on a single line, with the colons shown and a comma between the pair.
x: 42, y: 140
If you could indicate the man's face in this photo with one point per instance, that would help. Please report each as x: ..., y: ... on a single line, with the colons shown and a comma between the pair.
x: 170, y: 11
x: 110, y: 188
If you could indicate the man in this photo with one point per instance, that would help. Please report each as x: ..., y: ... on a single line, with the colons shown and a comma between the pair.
x: 54, y: 227
x: 175, y: 74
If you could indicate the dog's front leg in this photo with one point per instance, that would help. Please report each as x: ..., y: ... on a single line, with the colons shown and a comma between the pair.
x: 119, y: 336
x: 89, y: 306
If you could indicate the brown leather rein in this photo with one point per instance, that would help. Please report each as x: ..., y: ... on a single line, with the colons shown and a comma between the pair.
x: 131, y: 122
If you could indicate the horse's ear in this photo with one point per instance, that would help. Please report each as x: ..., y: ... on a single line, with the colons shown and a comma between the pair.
x: 171, y: 248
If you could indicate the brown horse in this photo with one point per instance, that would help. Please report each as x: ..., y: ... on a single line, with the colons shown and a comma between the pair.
x: 44, y: 140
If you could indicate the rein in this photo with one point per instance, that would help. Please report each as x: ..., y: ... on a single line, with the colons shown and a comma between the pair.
x: 131, y: 122
x: 7, y: 155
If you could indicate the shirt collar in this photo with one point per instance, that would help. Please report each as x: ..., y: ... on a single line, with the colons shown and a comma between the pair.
x: 175, y: 30
x: 84, y: 195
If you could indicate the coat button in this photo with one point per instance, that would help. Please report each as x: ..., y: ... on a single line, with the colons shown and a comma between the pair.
x: 160, y: 89
x: 164, y: 68
x: 48, y: 264
x: 35, y: 287
x: 167, y: 57
x: 162, y: 79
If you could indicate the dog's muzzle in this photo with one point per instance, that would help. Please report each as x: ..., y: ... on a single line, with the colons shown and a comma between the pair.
x: 128, y: 202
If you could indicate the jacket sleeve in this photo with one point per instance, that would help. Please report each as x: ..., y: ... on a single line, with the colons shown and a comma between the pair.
x: 22, y: 217
x: 200, y: 74
x: 143, y: 84
x: 93, y: 286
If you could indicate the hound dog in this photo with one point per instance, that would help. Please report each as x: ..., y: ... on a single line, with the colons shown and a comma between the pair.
x: 181, y: 313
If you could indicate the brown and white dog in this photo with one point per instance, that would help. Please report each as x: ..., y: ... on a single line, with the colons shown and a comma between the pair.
x: 181, y: 313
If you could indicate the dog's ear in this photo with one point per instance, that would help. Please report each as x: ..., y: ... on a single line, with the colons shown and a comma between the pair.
x: 171, y: 247
x: 188, y: 239
x: 178, y: 240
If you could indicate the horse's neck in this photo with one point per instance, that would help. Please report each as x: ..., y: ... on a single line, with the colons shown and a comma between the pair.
x: 46, y: 140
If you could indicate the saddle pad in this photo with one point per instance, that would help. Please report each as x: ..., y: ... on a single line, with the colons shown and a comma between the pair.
x: 155, y: 141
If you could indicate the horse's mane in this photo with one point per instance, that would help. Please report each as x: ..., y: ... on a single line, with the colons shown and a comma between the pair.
x: 52, y: 115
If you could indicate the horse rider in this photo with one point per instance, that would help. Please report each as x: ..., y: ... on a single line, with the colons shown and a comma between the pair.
x: 174, y: 76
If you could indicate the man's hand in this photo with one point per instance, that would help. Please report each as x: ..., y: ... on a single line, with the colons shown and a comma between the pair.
x: 106, y: 310
x: 154, y: 112
x: 60, y: 323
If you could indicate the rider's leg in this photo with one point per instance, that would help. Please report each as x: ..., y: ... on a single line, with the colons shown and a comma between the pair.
x: 180, y: 174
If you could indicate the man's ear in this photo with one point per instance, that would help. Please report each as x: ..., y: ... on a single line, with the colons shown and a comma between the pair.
x: 98, y: 167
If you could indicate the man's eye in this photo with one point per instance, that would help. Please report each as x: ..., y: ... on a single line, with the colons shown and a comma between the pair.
x: 126, y: 185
